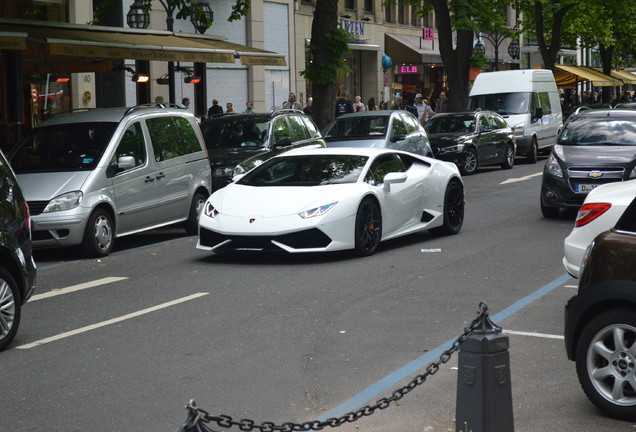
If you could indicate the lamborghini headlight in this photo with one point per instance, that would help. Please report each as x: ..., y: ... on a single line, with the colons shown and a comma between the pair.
x: 209, y: 210
x: 318, y: 211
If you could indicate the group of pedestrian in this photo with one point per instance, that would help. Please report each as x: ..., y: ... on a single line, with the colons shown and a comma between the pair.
x: 216, y: 109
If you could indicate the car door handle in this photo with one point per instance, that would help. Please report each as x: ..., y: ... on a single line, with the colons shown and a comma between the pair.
x: 149, y: 179
x: 160, y: 176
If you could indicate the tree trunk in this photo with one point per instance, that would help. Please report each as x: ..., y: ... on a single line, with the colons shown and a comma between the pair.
x: 607, y: 53
x: 456, y: 60
x: 324, y: 89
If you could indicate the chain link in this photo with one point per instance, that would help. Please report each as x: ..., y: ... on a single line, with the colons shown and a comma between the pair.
x: 197, y: 417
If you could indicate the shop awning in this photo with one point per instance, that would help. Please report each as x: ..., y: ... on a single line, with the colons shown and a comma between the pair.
x: 411, y: 49
x: 81, y: 48
x: 623, y: 75
x: 363, y: 46
x: 567, y: 76
x: 249, y: 56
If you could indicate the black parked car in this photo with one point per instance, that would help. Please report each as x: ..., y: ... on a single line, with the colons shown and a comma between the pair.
x: 17, y: 267
x: 594, y: 147
x: 472, y: 139
x: 237, y: 143
x: 600, y: 321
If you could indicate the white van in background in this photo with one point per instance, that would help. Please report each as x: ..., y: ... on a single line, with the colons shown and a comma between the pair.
x: 529, y: 101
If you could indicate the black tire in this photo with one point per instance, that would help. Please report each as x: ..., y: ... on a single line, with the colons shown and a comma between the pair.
x: 368, y: 227
x: 191, y: 224
x: 509, y: 160
x: 10, y: 308
x: 471, y: 162
x: 606, y: 371
x: 533, y: 152
x: 549, y: 212
x: 99, y: 236
x: 453, y: 210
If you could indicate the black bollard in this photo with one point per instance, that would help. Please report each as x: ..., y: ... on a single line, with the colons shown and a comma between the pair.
x: 484, y: 392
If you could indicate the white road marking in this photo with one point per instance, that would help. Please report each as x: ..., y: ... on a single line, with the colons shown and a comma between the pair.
x: 518, y: 179
x: 79, y: 287
x: 111, y: 321
x: 540, y: 335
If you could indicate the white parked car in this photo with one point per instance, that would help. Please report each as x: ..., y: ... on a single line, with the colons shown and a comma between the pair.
x: 319, y: 200
x: 600, y: 211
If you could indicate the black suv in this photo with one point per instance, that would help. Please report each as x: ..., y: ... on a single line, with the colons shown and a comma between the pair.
x: 238, y: 142
x: 600, y: 321
x: 17, y: 267
x: 593, y: 148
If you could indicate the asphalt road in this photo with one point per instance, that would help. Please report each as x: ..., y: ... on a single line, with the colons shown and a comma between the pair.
x: 122, y: 343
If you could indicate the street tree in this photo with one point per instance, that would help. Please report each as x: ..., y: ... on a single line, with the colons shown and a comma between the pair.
x: 458, y: 22
x: 608, y: 26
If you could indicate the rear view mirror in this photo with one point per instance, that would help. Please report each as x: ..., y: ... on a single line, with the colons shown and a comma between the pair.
x: 396, y: 138
x: 283, y: 142
x: 538, y: 114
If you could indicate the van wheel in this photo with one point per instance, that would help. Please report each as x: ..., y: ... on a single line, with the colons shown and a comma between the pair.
x: 533, y: 152
x: 191, y: 225
x: 10, y: 308
x: 99, y: 235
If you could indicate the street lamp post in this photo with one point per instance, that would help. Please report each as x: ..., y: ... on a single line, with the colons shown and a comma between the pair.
x: 496, y: 39
x: 138, y: 17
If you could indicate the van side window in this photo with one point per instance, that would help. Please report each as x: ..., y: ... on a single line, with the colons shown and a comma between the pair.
x: 132, y: 144
x: 188, y: 137
x: 544, y: 97
x: 165, y: 138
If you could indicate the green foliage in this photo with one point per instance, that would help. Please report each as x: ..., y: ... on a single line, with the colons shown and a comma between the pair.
x: 477, y: 60
x: 325, y: 72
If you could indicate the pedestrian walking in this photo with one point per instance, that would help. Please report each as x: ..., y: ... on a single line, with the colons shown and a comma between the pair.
x: 309, y: 109
x: 398, y: 104
x: 249, y: 107
x: 291, y: 103
x: 440, y: 106
x: 215, y: 108
x: 358, y: 106
x: 343, y: 105
x: 371, y: 104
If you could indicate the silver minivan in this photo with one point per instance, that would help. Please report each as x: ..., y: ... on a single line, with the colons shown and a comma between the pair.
x: 92, y: 176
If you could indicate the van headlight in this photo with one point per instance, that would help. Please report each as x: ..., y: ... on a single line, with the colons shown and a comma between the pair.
x: 518, y: 130
x: 65, y: 201
x: 553, y: 167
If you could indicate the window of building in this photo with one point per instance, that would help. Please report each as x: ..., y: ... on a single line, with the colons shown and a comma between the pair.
x: 401, y: 14
x: 389, y: 15
x: 350, y: 4
x: 368, y: 6
x: 55, y: 11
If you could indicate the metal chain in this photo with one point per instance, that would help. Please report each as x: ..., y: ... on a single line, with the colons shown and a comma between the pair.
x: 197, y: 417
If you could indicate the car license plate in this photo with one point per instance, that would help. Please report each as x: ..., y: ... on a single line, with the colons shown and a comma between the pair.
x: 584, y: 188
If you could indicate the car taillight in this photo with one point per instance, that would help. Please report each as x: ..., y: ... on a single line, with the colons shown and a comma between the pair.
x: 589, y: 212
x: 27, y: 215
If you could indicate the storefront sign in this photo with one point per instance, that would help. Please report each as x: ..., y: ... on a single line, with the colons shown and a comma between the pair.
x: 356, y: 28
x: 428, y: 33
x: 409, y: 69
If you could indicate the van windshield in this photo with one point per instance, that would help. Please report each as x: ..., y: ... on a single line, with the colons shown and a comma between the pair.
x: 67, y: 147
x: 501, y: 103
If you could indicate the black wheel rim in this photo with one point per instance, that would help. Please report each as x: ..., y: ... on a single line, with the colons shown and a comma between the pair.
x: 369, y: 227
x: 455, y: 207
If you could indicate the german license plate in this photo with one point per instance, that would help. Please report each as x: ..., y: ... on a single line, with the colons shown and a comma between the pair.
x: 584, y: 188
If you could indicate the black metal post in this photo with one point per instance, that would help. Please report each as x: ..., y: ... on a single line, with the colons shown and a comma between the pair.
x: 200, y: 91
x: 143, y: 89
x: 484, y: 391
x: 13, y: 103
x: 170, y: 25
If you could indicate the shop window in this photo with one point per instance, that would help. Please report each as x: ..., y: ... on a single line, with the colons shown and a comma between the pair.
x: 55, y: 11
x: 388, y: 14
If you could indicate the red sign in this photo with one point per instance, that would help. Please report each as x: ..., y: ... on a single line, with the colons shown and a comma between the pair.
x: 428, y: 33
x: 409, y: 69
